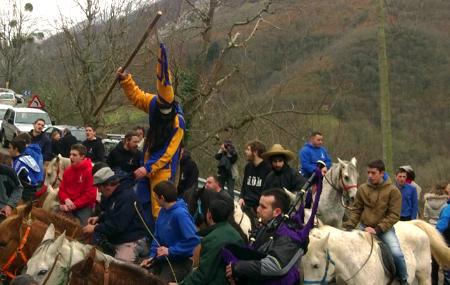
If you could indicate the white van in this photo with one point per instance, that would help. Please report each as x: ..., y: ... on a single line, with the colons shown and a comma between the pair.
x: 20, y: 120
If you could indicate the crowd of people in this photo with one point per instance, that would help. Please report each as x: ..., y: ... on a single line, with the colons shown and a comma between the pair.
x: 149, y: 181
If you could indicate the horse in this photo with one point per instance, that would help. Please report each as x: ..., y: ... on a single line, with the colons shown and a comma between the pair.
x: 52, y: 260
x: 20, y: 237
x: 25, y: 230
x: 355, y: 258
x: 339, y: 186
x: 48, y: 196
x: 90, y: 271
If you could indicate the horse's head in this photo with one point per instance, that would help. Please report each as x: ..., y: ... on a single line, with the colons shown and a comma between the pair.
x: 55, y: 170
x: 10, y: 227
x: 81, y: 270
x: 43, y: 259
x: 317, y: 264
x: 348, y: 176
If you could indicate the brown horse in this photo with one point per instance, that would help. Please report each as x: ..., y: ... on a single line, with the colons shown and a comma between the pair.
x: 93, y: 272
x: 20, y: 237
x: 34, y: 221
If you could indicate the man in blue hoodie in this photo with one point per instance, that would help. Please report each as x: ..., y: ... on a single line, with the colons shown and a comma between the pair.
x: 28, y: 165
x: 312, y: 153
x: 410, y: 205
x: 175, y: 235
x: 443, y: 226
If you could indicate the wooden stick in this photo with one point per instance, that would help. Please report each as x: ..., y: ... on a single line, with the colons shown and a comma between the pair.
x: 130, y: 58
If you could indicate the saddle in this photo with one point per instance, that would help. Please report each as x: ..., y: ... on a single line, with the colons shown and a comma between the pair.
x: 388, y: 260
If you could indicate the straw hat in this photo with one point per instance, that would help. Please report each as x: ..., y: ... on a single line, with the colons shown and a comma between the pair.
x: 278, y: 150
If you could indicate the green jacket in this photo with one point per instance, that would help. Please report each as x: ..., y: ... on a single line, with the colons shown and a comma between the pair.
x: 211, y: 269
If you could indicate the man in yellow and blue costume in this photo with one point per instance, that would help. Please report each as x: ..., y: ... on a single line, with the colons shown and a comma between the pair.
x: 167, y: 126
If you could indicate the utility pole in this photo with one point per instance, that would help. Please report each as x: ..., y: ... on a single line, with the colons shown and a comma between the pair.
x: 385, y: 96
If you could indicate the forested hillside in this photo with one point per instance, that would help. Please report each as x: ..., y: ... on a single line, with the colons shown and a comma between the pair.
x: 294, y: 67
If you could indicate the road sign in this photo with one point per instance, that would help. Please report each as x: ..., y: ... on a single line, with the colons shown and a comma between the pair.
x: 26, y: 93
x: 35, y: 102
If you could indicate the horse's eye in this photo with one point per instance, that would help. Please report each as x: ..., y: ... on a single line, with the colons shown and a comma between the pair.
x: 42, y: 272
x: 316, y: 266
x: 346, y: 178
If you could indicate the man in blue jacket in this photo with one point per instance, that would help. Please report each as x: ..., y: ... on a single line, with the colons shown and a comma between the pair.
x: 27, y: 163
x: 410, y: 205
x: 443, y: 226
x: 313, y: 152
x: 118, y: 226
x: 175, y: 235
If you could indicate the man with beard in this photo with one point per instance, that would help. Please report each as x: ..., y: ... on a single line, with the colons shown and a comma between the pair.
x: 124, y: 159
x: 255, y: 174
x: 282, y: 176
x: 167, y: 126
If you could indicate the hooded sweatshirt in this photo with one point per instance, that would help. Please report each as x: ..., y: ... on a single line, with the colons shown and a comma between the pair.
x: 28, y: 170
x: 254, y: 178
x: 123, y: 161
x: 433, y: 207
x: 377, y: 206
x: 175, y: 230
x: 443, y: 223
x: 308, y: 157
x: 189, y: 173
x: 77, y: 185
x: 410, y: 203
x: 95, y: 149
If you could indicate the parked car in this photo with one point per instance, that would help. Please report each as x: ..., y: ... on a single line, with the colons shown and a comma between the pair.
x: 111, y: 141
x: 7, y: 97
x: 20, y: 120
x: 78, y: 132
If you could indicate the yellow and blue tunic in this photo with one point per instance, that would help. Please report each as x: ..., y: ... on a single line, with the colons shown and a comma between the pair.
x: 160, y: 165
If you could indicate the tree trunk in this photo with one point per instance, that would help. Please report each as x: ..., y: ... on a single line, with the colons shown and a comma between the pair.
x: 385, y: 104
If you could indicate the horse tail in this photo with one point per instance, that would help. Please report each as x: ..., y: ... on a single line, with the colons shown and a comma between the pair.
x: 439, y: 249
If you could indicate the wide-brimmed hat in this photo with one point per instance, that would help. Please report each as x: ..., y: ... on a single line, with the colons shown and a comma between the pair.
x: 278, y: 150
x: 104, y: 175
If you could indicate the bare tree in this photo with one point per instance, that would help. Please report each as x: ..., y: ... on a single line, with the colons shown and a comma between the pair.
x: 17, y: 31
x: 88, y: 51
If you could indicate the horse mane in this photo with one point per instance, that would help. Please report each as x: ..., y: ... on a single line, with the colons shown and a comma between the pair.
x: 121, y: 273
x: 59, y: 221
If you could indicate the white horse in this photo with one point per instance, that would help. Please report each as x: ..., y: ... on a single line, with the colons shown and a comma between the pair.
x: 242, y: 219
x: 52, y: 260
x: 53, y: 177
x: 339, y: 186
x: 348, y: 257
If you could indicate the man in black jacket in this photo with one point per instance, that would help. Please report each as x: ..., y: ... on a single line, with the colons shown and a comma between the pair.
x: 10, y: 190
x: 282, y: 176
x: 118, y: 223
x: 67, y: 141
x: 41, y: 138
x: 255, y: 174
x: 125, y: 157
x: 189, y: 173
x: 94, y: 145
x: 227, y: 168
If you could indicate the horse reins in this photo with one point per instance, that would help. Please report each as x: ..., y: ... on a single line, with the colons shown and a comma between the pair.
x: 58, y: 179
x: 19, y: 251
x: 345, y: 186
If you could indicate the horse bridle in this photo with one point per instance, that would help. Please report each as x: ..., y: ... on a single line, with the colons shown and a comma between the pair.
x: 329, y: 261
x: 58, y: 179
x: 341, y: 179
x: 5, y: 269
x: 323, y: 281
x: 66, y: 270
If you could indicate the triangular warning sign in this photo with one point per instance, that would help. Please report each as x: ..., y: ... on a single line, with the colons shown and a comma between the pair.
x: 35, y: 102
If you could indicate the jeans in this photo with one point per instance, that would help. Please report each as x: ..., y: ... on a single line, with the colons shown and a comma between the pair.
x: 227, y: 181
x: 83, y: 214
x: 390, y: 239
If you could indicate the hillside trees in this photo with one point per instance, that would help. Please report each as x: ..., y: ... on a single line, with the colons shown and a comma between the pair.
x: 17, y: 32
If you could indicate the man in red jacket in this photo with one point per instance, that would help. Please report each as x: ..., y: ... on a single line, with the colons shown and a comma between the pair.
x: 77, y: 195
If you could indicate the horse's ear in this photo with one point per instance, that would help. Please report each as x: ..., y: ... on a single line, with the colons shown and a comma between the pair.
x: 60, y: 240
x: 340, y: 161
x: 353, y: 161
x: 27, y: 210
x: 323, y: 243
x: 50, y: 233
